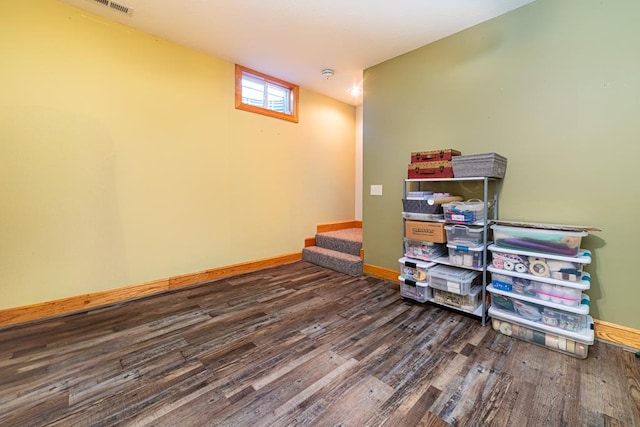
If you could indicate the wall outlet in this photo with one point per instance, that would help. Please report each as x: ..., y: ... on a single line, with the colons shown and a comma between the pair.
x: 376, y: 190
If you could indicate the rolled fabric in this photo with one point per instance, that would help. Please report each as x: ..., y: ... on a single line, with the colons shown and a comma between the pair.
x: 551, y: 341
x: 508, y: 265
x: 571, y: 242
x: 505, y: 328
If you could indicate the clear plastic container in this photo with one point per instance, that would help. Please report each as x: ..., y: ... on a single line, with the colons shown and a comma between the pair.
x: 466, y: 257
x: 469, y: 212
x: 452, y: 279
x: 462, y: 235
x: 469, y: 302
x: 527, y: 310
x: 540, y: 265
x: 422, y: 250
x: 414, y: 269
x: 574, y: 346
x: 541, y: 292
x: 418, y: 291
x: 541, y: 240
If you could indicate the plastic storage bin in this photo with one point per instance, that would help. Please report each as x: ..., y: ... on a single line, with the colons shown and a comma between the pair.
x: 421, y: 250
x: 452, y: 279
x: 466, y: 257
x: 574, y: 347
x: 414, y: 270
x: 462, y: 235
x: 549, y: 241
x: 469, y: 212
x: 526, y: 310
x: 469, y: 302
x: 418, y: 291
x: 487, y: 164
x: 420, y: 206
x: 540, y: 265
x: 541, y: 291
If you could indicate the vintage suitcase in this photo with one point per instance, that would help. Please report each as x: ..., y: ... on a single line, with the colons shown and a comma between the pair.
x: 440, y: 169
x: 433, y: 155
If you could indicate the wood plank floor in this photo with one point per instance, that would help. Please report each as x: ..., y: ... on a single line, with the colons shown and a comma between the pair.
x: 305, y: 346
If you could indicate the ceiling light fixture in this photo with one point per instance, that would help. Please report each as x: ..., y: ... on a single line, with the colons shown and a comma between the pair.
x: 327, y: 73
x: 355, y: 91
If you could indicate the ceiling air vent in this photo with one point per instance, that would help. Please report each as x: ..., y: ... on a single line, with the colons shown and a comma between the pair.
x: 116, y: 6
x: 120, y: 8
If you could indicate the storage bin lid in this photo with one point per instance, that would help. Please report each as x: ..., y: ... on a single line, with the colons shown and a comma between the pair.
x: 542, y: 226
x: 584, y: 283
x: 584, y: 336
x: 583, y: 257
x: 469, y: 229
x: 453, y: 274
x: 465, y: 248
x: 412, y: 282
x: 414, y: 263
x: 479, y: 157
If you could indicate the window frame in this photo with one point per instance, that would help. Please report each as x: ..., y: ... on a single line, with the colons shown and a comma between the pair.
x: 294, y: 91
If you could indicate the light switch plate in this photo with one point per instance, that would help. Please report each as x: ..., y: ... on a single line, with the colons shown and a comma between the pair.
x: 376, y: 190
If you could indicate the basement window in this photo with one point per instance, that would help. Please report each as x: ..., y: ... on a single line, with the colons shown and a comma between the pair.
x: 260, y: 93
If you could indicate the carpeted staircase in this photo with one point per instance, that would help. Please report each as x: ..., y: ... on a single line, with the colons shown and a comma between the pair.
x: 338, y: 250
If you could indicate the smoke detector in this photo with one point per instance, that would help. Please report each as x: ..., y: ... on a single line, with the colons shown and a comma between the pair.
x: 327, y: 73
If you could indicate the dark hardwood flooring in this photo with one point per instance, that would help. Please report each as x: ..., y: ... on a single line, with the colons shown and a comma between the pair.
x: 300, y: 345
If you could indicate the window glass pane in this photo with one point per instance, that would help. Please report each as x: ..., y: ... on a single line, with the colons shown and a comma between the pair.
x: 266, y: 95
x: 277, y: 98
x: 252, y: 91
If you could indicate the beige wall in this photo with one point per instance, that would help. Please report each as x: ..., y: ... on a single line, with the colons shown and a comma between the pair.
x: 123, y: 160
x: 553, y: 86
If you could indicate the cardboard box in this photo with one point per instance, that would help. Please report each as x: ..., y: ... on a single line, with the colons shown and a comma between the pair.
x: 425, y: 231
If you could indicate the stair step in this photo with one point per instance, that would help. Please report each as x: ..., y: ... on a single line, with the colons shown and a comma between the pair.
x: 348, y: 241
x: 335, y: 260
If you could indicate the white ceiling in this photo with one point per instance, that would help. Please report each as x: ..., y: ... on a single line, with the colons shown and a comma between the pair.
x: 295, y: 40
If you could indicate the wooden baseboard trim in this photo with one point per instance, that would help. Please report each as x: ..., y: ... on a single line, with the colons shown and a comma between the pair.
x: 622, y: 335
x: 382, y: 272
x: 605, y: 331
x: 64, y: 306
x: 309, y: 241
x: 325, y: 228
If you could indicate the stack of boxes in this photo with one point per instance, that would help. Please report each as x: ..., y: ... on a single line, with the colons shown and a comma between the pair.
x: 537, y: 283
x: 432, y: 164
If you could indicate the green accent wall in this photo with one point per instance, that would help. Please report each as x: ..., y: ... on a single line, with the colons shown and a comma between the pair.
x: 123, y: 160
x: 555, y: 87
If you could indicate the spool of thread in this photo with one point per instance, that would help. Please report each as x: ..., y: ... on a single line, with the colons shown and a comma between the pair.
x: 539, y: 268
x: 508, y: 265
x: 521, y: 268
